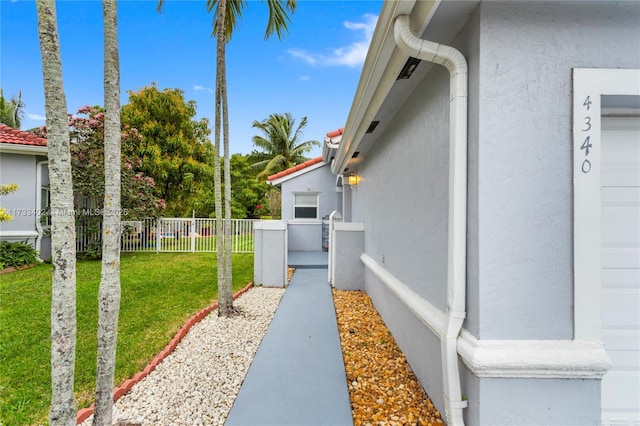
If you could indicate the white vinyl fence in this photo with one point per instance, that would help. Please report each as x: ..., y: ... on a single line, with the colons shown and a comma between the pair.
x: 174, y: 235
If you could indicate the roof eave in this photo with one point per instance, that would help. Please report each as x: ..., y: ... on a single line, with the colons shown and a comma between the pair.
x: 11, y: 148
x: 382, y: 65
x: 278, y: 181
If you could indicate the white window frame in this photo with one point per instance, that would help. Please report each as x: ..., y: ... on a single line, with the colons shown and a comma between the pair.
x: 588, y: 87
x: 44, y: 201
x: 317, y: 195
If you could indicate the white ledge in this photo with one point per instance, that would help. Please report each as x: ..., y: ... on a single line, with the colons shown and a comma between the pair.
x: 17, y: 234
x: 348, y: 226
x: 533, y: 358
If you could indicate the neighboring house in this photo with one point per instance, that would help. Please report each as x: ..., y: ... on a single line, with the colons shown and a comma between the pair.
x: 309, y: 195
x: 499, y: 204
x: 23, y: 160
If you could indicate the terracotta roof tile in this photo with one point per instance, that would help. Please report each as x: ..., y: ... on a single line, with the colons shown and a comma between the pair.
x: 294, y: 169
x: 335, y: 133
x: 19, y: 137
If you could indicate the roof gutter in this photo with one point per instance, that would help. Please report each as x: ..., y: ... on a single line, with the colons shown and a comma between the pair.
x: 11, y: 148
x: 456, y: 64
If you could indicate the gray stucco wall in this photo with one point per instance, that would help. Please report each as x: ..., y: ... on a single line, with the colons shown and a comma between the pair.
x: 524, y: 180
x: 402, y: 196
x: 20, y: 169
x: 520, y: 232
x: 306, y: 234
x: 560, y: 402
x: 349, y: 243
x: 270, y: 253
x: 319, y: 181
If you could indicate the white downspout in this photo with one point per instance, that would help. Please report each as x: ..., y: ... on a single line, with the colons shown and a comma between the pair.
x: 455, y: 62
x: 39, y: 228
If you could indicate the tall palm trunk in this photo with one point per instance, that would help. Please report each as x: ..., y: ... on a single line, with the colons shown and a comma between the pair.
x: 63, y: 238
x: 220, y: 58
x: 109, y: 292
x: 226, y: 290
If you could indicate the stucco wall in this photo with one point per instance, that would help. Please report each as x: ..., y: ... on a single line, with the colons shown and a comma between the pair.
x: 306, y: 234
x: 319, y: 181
x: 20, y: 169
x: 524, y: 181
x: 561, y: 402
x: 520, y: 232
x: 402, y: 195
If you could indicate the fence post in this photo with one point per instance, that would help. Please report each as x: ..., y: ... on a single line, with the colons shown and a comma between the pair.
x: 193, y: 235
x: 158, y: 236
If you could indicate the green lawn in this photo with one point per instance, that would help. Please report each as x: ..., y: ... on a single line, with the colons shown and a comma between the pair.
x: 159, y: 293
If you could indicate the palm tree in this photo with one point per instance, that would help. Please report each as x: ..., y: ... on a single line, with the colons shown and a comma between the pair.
x: 109, y: 292
x: 228, y: 14
x: 11, y: 111
x: 280, y: 144
x: 63, y: 238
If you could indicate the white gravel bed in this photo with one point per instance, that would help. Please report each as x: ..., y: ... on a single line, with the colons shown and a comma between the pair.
x: 198, y: 383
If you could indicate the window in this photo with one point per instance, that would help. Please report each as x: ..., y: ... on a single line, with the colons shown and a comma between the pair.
x: 305, y: 206
x: 45, y: 203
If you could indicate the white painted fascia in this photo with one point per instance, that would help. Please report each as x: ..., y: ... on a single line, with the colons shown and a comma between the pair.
x: 381, y: 67
x: 11, y: 148
x: 329, y: 147
x: 296, y: 174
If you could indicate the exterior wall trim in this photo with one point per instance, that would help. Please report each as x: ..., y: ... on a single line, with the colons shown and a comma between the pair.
x: 568, y: 359
x: 589, y: 84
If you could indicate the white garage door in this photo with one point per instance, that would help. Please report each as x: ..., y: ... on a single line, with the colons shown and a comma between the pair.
x: 621, y: 269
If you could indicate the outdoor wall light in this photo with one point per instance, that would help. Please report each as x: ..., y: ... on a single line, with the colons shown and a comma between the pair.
x: 353, y: 180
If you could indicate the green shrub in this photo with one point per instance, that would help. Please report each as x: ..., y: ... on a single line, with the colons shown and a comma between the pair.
x: 16, y: 254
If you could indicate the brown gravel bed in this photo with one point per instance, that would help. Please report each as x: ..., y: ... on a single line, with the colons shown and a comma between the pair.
x: 382, y: 387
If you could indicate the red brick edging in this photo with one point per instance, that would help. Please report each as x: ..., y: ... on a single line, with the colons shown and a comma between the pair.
x: 16, y: 268
x: 128, y: 384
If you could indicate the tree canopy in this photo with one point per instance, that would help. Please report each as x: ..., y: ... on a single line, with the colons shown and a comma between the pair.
x: 280, y: 146
x: 248, y: 196
x: 11, y: 111
x: 173, y: 147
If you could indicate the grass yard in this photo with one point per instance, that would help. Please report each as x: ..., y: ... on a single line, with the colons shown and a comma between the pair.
x: 160, y: 291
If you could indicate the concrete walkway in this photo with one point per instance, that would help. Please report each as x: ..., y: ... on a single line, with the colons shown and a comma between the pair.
x: 297, y: 376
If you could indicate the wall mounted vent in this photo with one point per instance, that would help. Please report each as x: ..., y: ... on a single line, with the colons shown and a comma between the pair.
x: 408, y: 69
x: 373, y: 126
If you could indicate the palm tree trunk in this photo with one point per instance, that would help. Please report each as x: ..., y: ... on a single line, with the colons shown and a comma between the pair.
x: 227, y: 291
x: 63, y: 238
x: 220, y: 57
x: 109, y: 292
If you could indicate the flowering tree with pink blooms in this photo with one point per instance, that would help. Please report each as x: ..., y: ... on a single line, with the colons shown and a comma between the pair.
x: 138, y: 199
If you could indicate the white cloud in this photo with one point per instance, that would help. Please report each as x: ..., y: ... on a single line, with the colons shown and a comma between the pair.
x: 36, y: 117
x: 305, y: 78
x: 352, y: 55
x: 198, y: 88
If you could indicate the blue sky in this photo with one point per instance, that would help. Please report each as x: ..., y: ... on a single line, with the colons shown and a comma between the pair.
x: 312, y: 72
